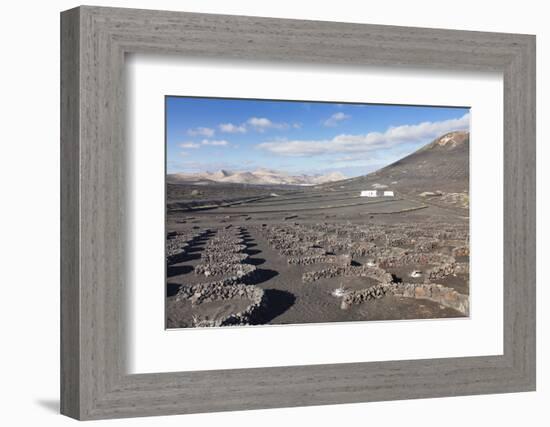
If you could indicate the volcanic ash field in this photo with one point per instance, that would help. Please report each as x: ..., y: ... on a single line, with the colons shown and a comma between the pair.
x: 245, y: 254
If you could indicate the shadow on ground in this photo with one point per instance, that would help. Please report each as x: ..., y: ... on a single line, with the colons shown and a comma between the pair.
x: 172, y: 289
x: 51, y: 405
x: 263, y: 275
x: 277, y: 302
x: 176, y: 270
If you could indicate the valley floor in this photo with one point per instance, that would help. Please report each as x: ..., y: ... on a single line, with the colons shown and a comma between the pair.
x: 316, y: 257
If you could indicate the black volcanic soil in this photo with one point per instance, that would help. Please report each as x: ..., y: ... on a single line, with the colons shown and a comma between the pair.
x: 313, y: 302
x: 288, y: 300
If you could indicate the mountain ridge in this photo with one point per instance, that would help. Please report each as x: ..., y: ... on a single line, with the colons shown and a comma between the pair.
x: 441, y: 165
x: 262, y: 176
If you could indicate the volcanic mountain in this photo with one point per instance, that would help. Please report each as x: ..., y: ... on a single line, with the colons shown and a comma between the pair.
x: 257, y: 177
x: 441, y: 165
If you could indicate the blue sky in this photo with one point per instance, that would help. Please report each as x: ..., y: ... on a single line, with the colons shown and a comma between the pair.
x: 208, y: 134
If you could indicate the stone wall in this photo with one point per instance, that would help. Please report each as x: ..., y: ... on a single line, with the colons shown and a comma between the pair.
x: 343, y: 260
x: 178, y: 242
x: 224, y: 268
x: 408, y: 258
x: 461, y: 251
x: 198, y: 294
x: 426, y: 245
x: 362, y: 295
x: 302, y: 251
x: 375, y: 273
x: 440, y: 294
x: 440, y: 271
x: 223, y: 257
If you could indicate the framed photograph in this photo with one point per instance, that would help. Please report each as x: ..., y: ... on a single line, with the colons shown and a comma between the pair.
x: 262, y: 213
x: 300, y: 205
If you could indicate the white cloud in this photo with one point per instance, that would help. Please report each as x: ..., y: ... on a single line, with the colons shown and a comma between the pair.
x: 198, y: 166
x: 335, y: 119
x: 202, y: 131
x: 365, y: 143
x: 261, y: 124
x: 352, y: 158
x: 217, y: 143
x: 184, y: 154
x: 231, y: 128
x: 189, y: 145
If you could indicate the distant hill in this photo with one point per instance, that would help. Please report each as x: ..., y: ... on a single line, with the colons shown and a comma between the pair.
x: 257, y: 177
x: 439, y: 171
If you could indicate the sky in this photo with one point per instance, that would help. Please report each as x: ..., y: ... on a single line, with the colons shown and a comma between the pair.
x: 209, y: 134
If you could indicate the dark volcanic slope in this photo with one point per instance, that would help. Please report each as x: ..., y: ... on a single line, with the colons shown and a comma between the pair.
x: 442, y: 165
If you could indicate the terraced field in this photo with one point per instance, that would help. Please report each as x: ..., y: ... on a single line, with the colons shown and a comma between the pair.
x: 315, y: 255
x: 250, y: 254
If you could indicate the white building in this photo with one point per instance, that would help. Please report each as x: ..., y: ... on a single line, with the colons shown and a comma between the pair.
x: 369, y: 193
x: 388, y: 193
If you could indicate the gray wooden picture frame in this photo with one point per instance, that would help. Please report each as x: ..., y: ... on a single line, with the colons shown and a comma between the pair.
x: 94, y: 41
